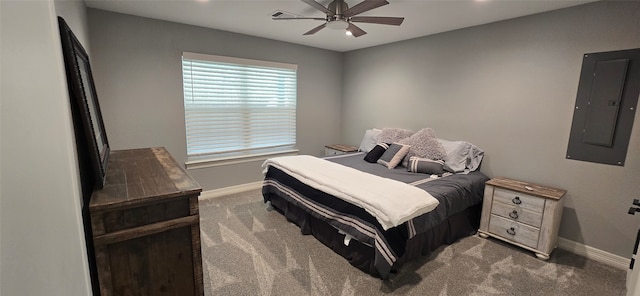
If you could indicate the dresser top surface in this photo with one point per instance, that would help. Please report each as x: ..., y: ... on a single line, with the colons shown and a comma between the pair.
x: 534, y: 189
x: 140, y: 176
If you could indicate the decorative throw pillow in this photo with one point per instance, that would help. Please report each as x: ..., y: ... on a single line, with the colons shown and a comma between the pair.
x: 394, y: 155
x: 425, y: 166
x: 376, y: 153
x: 369, y: 140
x: 424, y: 144
x: 392, y: 135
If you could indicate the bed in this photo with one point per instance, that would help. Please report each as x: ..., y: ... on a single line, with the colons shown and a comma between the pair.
x: 355, y: 231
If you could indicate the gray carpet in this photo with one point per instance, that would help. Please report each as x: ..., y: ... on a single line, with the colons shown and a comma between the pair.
x: 248, y: 250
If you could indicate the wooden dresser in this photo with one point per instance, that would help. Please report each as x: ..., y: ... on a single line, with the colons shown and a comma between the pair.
x: 524, y: 214
x: 146, y: 226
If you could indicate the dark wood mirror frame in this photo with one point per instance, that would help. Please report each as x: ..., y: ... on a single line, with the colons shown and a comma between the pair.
x: 85, y: 100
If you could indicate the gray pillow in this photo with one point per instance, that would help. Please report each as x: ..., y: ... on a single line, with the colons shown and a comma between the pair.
x: 392, y: 135
x: 461, y: 156
x: 424, y: 144
x: 394, y: 155
x: 425, y: 166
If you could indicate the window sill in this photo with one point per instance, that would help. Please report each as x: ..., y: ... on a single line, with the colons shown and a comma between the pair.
x: 206, y: 163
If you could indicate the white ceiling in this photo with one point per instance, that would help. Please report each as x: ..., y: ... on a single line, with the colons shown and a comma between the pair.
x: 422, y: 17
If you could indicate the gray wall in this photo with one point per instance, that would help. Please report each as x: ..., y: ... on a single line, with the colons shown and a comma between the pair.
x: 510, y: 88
x: 42, y: 246
x: 137, y: 67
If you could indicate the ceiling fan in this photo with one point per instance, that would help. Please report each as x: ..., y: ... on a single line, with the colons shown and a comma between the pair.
x: 340, y: 16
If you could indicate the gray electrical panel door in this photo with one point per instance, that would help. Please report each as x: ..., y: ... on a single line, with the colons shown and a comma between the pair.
x: 605, y: 107
x: 604, y: 100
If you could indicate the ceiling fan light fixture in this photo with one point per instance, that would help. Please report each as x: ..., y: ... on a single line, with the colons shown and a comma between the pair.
x: 338, y: 25
x: 349, y: 33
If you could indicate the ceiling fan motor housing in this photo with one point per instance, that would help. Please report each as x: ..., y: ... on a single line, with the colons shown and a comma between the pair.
x: 337, y: 21
x: 338, y: 7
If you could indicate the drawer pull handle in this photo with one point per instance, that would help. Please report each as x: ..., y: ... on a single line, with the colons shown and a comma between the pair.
x: 514, y: 214
x: 516, y: 200
x: 511, y: 231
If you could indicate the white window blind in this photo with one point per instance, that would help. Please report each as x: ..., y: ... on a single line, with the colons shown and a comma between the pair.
x: 237, y: 107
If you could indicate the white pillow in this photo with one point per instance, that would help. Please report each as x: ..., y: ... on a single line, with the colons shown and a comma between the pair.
x: 369, y: 140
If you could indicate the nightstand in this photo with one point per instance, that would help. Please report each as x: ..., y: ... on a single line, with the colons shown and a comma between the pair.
x: 524, y: 214
x: 338, y: 149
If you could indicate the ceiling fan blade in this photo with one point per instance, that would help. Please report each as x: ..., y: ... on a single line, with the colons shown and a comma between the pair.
x: 299, y: 18
x: 316, y: 29
x: 363, y: 6
x: 319, y: 6
x: 383, y: 20
x: 355, y: 30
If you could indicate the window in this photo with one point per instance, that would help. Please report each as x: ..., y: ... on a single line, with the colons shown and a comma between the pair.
x: 237, y: 108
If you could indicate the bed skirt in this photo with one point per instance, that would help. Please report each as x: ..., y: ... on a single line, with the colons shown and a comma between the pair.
x: 361, y: 256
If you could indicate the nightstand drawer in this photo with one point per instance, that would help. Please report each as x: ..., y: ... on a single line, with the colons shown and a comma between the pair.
x: 524, y: 201
x: 329, y: 152
x: 516, y: 213
x: 514, y: 231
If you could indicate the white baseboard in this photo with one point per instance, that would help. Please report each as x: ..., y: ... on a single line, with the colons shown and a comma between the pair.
x: 594, y: 254
x: 230, y: 190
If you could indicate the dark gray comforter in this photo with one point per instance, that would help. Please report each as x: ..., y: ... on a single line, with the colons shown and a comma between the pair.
x: 454, y: 192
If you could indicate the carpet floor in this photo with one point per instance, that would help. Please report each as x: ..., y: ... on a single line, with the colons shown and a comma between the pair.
x: 248, y: 250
